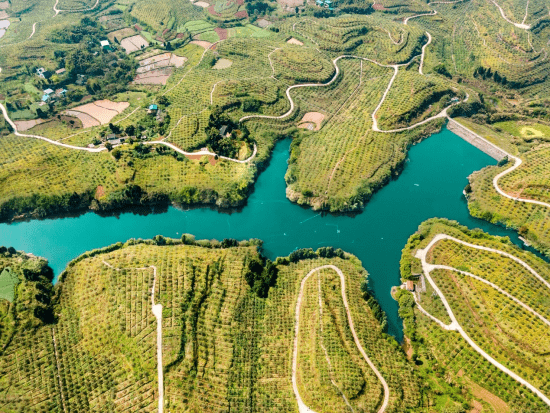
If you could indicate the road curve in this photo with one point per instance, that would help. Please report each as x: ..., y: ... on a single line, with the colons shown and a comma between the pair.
x: 96, y: 150
x: 301, y: 405
x: 518, y: 25
x: 427, y: 268
x: 375, y: 127
x: 517, y: 163
x: 432, y: 13
x: 424, y: 53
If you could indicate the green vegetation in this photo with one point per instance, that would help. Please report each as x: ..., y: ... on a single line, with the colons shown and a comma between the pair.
x: 474, y: 54
x: 453, y: 372
x: 25, y: 294
x: 226, y: 345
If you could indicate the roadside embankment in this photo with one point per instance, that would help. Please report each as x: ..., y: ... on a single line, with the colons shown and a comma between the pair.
x: 476, y: 140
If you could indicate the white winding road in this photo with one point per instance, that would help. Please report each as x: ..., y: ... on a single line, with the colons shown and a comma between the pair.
x: 455, y: 325
x: 518, y: 25
x: 517, y: 163
x: 432, y: 13
x: 157, y: 312
x: 301, y: 405
x: 96, y: 150
x: 375, y: 127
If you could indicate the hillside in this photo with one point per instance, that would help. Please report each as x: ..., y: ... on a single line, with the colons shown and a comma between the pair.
x: 490, y: 300
x: 227, y: 335
x: 356, y: 84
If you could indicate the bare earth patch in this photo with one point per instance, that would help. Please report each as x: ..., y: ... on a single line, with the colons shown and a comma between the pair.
x: 87, y: 120
x: 177, y: 61
x: 292, y: 40
x: 4, y: 15
x: 154, y: 77
x: 312, y: 118
x: 202, y: 43
x: 134, y: 43
x: 202, y: 4
x: 222, y: 64
x: 23, y: 125
x: 99, y: 192
x: 496, y: 402
x: 107, y: 104
x: 4, y: 5
x: 101, y: 111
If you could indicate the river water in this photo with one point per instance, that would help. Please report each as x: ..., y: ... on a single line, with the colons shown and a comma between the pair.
x: 430, y: 186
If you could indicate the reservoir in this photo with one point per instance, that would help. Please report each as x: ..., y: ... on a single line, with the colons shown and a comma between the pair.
x: 430, y: 185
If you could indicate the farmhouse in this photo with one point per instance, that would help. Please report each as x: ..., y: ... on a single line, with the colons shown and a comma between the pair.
x: 43, y: 73
x: 152, y: 108
x: 60, y: 71
x: 104, y: 43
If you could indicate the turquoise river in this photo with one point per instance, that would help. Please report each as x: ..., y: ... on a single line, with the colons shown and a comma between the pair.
x: 430, y: 186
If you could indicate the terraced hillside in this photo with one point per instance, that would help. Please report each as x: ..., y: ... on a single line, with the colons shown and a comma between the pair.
x: 227, y: 335
x: 410, y: 65
x: 478, y: 317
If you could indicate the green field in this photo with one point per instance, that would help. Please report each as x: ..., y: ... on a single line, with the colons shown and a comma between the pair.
x: 8, y: 281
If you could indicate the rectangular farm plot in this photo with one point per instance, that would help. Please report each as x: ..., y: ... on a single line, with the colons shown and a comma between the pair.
x: 99, y: 112
x: 202, y: 4
x: 134, y: 43
x: 156, y: 70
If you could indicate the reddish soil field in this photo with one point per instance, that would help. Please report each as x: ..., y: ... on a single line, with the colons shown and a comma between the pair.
x: 99, y: 192
x: 138, y: 27
x: 212, y: 11
x: 378, y: 7
x: 243, y: 14
x: 222, y: 33
x: 240, y: 2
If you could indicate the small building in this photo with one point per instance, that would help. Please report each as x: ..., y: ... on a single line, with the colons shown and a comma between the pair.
x: 455, y: 99
x: 61, y: 92
x: 80, y: 79
x: 153, y: 108
x: 43, y: 73
x: 409, y: 285
x: 115, y: 142
x: 48, y: 91
x: 111, y: 137
x: 223, y: 130
x: 60, y: 71
x: 46, y: 98
x: 104, y: 43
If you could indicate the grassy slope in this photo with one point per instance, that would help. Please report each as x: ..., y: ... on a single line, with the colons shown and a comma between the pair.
x: 494, y: 322
x: 224, y: 347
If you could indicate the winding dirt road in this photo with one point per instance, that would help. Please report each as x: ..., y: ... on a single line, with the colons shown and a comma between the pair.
x: 96, y: 150
x: 455, y: 325
x: 301, y: 405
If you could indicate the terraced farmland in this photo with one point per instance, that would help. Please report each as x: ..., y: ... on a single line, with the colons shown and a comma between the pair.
x: 224, y: 344
x: 498, y: 297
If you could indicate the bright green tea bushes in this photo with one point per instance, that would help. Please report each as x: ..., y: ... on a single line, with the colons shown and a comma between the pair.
x: 532, y: 221
x: 301, y: 65
x: 532, y: 179
x: 40, y: 179
x: 226, y: 342
x: 502, y: 311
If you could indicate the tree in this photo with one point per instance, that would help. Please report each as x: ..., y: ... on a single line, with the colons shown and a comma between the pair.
x: 108, y: 146
x: 130, y: 130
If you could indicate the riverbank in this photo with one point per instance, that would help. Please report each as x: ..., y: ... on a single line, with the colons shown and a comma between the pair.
x: 356, y: 198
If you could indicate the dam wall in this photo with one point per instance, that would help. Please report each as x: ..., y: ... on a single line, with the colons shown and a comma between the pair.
x: 473, y: 138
